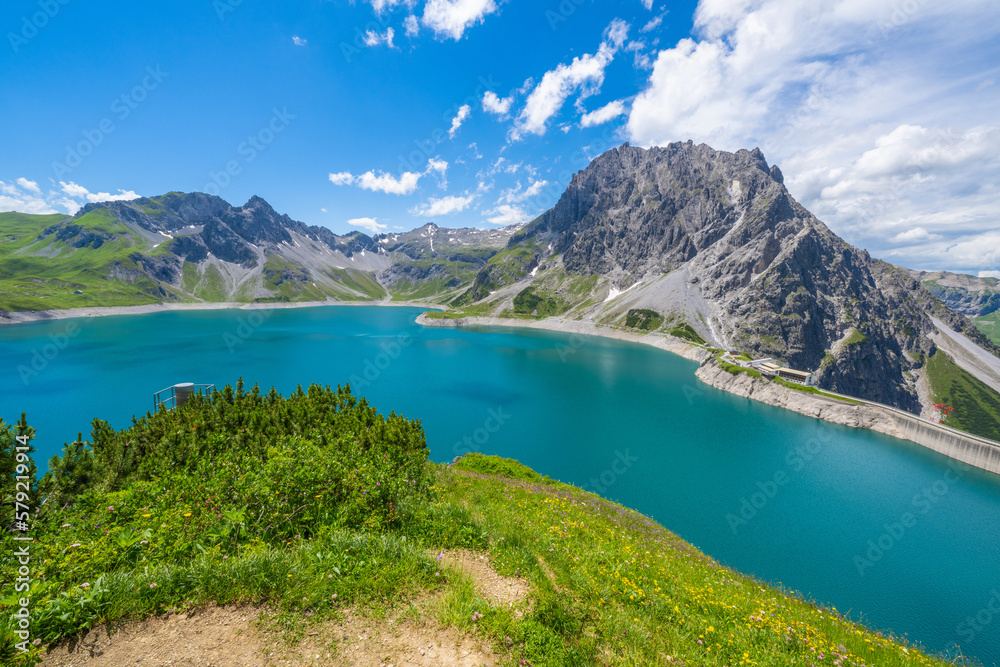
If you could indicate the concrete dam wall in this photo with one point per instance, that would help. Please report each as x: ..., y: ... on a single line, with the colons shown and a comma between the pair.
x: 965, y: 447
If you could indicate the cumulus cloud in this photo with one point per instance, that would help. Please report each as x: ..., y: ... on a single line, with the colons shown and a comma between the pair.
x: 456, y: 122
x: 342, y: 178
x: 507, y: 214
x: 29, y: 185
x: 25, y: 196
x: 496, y: 105
x: 519, y: 193
x: 405, y: 184
x: 653, y: 24
x: 381, y: 6
x: 381, y: 182
x: 585, y: 74
x: 298, y: 41
x: 451, y: 18
x: 874, y: 131
x: 78, y: 191
x: 370, y: 224
x: 411, y: 25
x: 373, y: 38
x: 600, y: 116
x: 443, y: 206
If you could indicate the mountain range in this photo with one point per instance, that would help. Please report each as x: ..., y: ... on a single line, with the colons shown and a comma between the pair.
x: 682, y: 239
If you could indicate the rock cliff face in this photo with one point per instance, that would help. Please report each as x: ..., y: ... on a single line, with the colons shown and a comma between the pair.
x: 715, y: 239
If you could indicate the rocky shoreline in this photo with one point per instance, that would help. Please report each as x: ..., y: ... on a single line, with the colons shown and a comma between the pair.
x: 581, y: 327
x: 22, y: 317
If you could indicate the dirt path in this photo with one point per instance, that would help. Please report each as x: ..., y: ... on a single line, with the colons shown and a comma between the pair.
x: 236, y: 637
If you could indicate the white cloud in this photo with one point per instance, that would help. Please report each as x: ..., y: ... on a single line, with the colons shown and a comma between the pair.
x: 439, y: 167
x: 342, y: 178
x: 404, y: 185
x: 648, y: 4
x: 29, y: 185
x: 496, y: 105
x: 443, y: 206
x: 371, y: 224
x: 849, y: 99
x: 380, y: 6
x: 373, y: 38
x: 298, y: 41
x: 989, y: 274
x: 653, y: 24
x: 451, y: 18
x: 26, y: 196
x: 73, y: 190
x: 604, y: 114
x: 382, y: 182
x: 519, y: 194
x: 584, y: 74
x: 78, y: 191
x: 412, y: 26
x: 23, y: 199
x: 123, y: 195
x: 456, y: 122
x: 506, y: 214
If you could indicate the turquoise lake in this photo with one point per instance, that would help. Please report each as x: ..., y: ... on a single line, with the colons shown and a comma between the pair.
x: 629, y: 421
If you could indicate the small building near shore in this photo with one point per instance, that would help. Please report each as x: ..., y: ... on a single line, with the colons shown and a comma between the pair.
x: 801, y: 377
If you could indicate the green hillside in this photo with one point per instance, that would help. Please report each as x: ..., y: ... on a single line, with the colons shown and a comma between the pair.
x: 977, y: 406
x: 990, y: 325
x: 320, y: 508
x: 39, y: 272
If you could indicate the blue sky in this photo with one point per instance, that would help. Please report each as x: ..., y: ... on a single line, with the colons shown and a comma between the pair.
x: 387, y: 114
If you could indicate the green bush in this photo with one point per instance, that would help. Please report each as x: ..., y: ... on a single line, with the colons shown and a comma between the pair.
x: 686, y: 331
x: 647, y: 320
x: 495, y: 465
x: 223, y: 478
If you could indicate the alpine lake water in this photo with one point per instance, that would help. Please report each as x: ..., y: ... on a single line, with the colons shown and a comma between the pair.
x: 889, y: 533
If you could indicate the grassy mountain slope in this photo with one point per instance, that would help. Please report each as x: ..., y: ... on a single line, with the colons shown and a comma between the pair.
x: 977, y: 406
x: 194, y: 247
x: 319, y: 507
